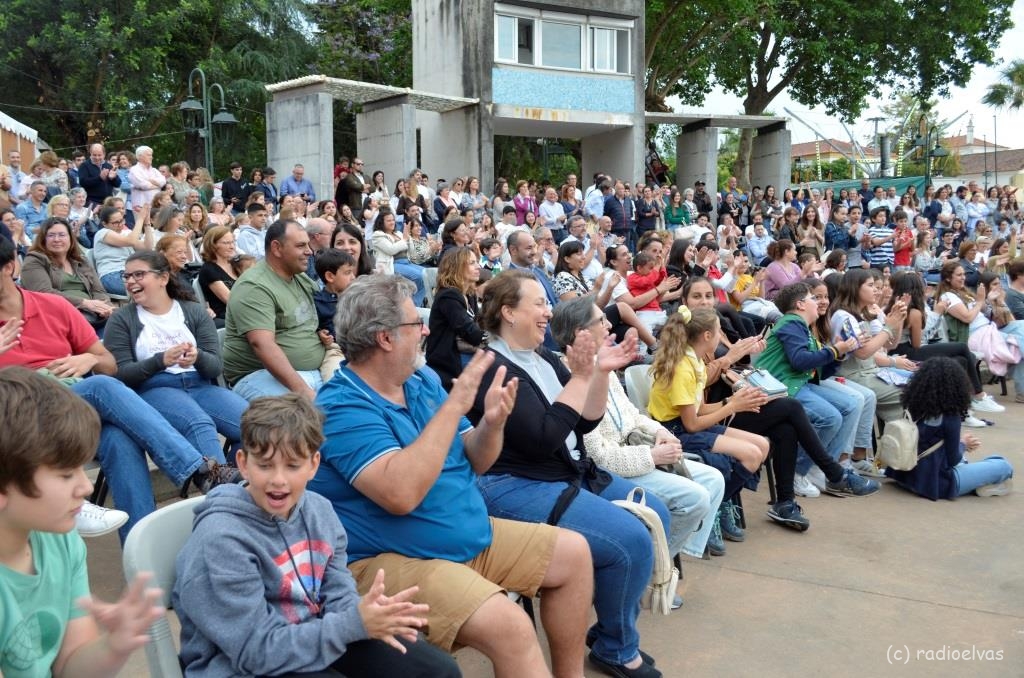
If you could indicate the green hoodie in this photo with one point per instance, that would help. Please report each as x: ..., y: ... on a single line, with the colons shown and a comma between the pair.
x: 775, y: 361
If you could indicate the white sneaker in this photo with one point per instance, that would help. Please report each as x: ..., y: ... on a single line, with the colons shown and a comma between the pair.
x: 995, y: 489
x: 817, y: 478
x: 972, y: 421
x: 95, y: 521
x: 986, y: 404
x: 803, y: 487
x: 866, y: 467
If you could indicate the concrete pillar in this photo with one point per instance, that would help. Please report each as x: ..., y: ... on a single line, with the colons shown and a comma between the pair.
x: 770, y: 158
x: 618, y: 153
x: 386, y: 139
x: 300, y: 130
x: 697, y: 158
x: 450, y: 145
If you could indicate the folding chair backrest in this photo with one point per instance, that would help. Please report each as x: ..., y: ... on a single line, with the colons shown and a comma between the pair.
x: 198, y: 291
x: 638, y: 386
x: 429, y: 283
x: 152, y: 546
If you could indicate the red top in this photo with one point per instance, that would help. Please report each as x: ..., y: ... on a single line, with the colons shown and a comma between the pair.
x: 638, y: 284
x: 903, y: 257
x: 53, y: 329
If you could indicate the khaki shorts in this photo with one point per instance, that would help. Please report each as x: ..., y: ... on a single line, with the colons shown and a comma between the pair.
x: 516, y: 560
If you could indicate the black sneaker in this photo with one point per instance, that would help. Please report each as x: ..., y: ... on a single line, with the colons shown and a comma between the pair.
x: 788, y: 513
x: 212, y: 474
x: 852, y: 485
x: 645, y: 670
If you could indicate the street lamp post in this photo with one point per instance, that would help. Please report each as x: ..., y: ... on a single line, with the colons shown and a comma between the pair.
x: 196, y: 115
x: 925, y: 144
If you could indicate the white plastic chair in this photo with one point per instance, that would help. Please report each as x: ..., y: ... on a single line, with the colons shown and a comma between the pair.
x: 429, y: 283
x: 152, y: 546
x: 638, y: 386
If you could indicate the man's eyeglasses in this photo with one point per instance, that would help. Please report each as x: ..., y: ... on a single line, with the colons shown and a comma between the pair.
x: 415, y: 323
x: 137, y: 276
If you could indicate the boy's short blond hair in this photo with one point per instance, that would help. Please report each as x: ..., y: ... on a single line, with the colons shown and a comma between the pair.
x: 289, y: 424
x: 44, y: 424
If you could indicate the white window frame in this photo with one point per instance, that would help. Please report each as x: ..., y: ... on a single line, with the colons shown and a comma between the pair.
x: 586, y: 24
x: 540, y: 44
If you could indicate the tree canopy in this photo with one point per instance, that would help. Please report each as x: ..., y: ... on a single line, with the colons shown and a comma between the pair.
x: 834, y: 53
x: 1009, y: 91
x: 116, y: 72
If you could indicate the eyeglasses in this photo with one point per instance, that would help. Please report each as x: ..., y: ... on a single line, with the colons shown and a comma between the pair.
x: 358, y: 164
x: 137, y: 276
x: 415, y: 323
x: 57, y: 235
x: 115, y: 223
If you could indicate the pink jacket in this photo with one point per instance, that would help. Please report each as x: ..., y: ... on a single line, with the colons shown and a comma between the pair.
x: 1000, y: 352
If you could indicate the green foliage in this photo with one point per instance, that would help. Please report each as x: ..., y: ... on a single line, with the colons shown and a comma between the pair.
x: 116, y: 71
x: 364, y: 40
x: 682, y: 42
x: 1009, y: 92
x: 520, y: 158
x: 367, y: 40
x: 822, y: 52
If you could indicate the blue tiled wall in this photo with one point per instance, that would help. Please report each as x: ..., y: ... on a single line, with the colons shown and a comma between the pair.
x: 544, y: 89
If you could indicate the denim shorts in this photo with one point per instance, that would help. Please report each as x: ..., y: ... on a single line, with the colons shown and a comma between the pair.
x: 700, y: 442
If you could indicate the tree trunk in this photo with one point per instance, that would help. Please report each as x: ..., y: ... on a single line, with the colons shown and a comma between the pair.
x: 755, y: 104
x: 741, y: 168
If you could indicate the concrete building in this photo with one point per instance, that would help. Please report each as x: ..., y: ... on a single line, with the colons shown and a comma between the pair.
x: 566, y: 69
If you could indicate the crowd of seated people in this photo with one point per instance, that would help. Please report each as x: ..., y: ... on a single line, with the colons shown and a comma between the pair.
x: 472, y: 430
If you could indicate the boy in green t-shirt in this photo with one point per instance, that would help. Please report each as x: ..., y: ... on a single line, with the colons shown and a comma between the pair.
x: 48, y: 623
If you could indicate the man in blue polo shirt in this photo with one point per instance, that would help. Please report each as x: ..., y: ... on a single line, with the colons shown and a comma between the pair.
x: 399, y: 465
x: 32, y: 210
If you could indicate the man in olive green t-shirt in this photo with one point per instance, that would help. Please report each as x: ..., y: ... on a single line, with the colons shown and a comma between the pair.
x: 271, y: 346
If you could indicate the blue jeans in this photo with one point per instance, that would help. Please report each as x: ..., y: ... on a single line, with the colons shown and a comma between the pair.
x: 692, y: 504
x: 987, y: 471
x: 414, y: 273
x: 197, y: 409
x: 131, y: 427
x: 113, y: 284
x: 619, y: 544
x: 866, y: 423
x: 262, y: 383
x: 834, y: 415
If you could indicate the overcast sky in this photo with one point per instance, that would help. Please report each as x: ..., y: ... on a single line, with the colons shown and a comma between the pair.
x: 1009, y: 126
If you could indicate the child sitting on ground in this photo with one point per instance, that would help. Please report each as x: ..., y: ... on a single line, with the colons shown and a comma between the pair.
x: 937, y: 398
x: 48, y: 623
x: 262, y: 583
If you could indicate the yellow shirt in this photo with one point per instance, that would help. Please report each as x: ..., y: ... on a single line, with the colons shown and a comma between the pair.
x: 743, y: 282
x: 686, y: 388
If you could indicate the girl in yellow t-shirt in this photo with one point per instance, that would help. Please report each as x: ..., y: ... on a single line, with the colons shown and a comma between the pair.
x: 677, y: 394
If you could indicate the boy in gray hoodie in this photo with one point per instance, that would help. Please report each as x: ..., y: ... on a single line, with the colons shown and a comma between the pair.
x: 262, y: 585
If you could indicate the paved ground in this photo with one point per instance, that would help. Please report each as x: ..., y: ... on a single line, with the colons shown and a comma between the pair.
x: 891, y: 585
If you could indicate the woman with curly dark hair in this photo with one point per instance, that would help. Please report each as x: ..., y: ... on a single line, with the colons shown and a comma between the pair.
x: 937, y: 397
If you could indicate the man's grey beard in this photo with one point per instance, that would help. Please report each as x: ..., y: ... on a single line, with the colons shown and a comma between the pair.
x: 420, y: 362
